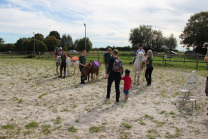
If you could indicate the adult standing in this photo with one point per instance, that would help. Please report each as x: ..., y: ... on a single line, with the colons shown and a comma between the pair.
x: 115, y: 69
x: 57, y: 59
x: 149, y: 69
x: 63, y: 64
x: 82, y: 62
x: 106, y: 58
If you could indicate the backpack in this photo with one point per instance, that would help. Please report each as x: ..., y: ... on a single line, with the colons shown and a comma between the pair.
x: 117, y: 65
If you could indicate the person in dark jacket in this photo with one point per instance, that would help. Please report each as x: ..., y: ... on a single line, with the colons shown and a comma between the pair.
x: 63, y: 64
x: 106, y: 58
x: 149, y: 69
x: 113, y: 76
x: 82, y: 62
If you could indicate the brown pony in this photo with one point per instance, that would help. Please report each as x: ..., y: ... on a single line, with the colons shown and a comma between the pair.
x: 90, y: 69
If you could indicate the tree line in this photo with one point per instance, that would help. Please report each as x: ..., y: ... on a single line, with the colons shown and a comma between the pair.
x: 194, y: 35
x: 46, y: 44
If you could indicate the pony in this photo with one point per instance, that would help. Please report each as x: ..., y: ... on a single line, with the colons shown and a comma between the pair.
x: 139, y: 65
x: 74, y: 62
x: 92, y: 69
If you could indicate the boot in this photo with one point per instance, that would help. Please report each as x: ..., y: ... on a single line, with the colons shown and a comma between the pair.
x: 82, y: 81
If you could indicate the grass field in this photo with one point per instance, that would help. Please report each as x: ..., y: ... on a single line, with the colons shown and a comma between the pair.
x: 173, y: 61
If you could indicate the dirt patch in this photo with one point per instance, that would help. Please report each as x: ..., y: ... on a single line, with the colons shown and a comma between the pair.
x: 35, y: 103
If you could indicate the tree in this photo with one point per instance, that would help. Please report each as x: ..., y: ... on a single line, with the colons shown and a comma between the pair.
x: 7, y: 47
x: 39, y: 46
x: 151, y: 39
x: 1, y: 40
x: 39, y: 36
x: 66, y: 40
x: 22, y: 44
x: 170, y: 43
x: 51, y: 42
x: 55, y: 34
x: 195, y: 33
x: 141, y: 35
x: 157, y: 41
x: 80, y: 44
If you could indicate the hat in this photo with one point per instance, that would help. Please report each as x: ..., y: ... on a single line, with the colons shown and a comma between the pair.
x: 127, y: 71
x: 56, y: 48
x: 60, y: 48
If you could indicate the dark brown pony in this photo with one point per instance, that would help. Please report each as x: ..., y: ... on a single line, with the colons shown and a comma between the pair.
x: 90, y: 69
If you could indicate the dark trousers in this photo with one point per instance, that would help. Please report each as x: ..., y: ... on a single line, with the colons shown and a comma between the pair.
x: 114, y: 76
x: 63, y: 65
x: 82, y: 78
x: 148, y: 75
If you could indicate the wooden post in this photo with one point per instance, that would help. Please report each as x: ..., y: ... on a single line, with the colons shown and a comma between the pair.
x: 165, y: 62
x: 32, y: 54
x: 197, y: 60
x: 98, y: 57
x: 184, y: 59
x: 39, y: 54
x: 11, y: 54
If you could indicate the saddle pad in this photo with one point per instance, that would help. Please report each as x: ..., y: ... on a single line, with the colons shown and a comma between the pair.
x: 95, y: 64
x: 75, y: 58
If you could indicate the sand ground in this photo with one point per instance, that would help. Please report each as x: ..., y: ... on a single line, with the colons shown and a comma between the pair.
x: 35, y: 103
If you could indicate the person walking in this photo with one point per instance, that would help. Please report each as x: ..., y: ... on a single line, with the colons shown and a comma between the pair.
x: 115, y: 69
x: 127, y: 83
x: 106, y: 58
x: 149, y: 69
x: 82, y: 62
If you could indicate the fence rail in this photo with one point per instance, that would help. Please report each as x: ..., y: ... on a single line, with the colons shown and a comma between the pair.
x: 195, y: 60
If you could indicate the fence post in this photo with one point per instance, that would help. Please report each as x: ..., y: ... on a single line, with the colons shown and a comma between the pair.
x: 11, y: 54
x: 165, y: 57
x: 98, y: 57
x: 39, y: 54
x: 184, y: 59
x: 32, y: 54
x: 197, y: 59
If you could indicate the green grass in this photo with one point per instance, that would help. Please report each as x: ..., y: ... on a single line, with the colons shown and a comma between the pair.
x: 44, y: 94
x: 46, y: 129
x: 31, y: 125
x: 190, y: 62
x: 126, y: 125
x: 72, y: 129
x: 8, y: 126
x: 94, y: 129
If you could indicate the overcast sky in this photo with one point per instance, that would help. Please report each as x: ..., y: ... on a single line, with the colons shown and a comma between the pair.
x: 108, y: 22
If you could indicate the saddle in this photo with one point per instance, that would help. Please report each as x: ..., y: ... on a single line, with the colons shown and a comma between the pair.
x: 74, y: 59
x: 95, y: 64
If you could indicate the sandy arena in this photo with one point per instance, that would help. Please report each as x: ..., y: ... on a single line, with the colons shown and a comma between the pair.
x: 35, y: 103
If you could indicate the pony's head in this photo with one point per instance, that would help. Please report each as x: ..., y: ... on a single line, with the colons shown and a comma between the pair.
x: 141, y: 57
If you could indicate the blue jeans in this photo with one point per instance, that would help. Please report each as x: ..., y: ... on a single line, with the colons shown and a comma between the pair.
x: 126, y: 92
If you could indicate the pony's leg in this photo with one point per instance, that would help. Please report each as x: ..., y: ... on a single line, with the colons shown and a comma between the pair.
x: 74, y: 69
x: 144, y: 70
x: 134, y: 76
x: 139, y: 72
x: 67, y: 71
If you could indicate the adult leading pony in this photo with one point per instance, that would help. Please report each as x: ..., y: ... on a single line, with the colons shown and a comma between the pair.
x: 139, y: 65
